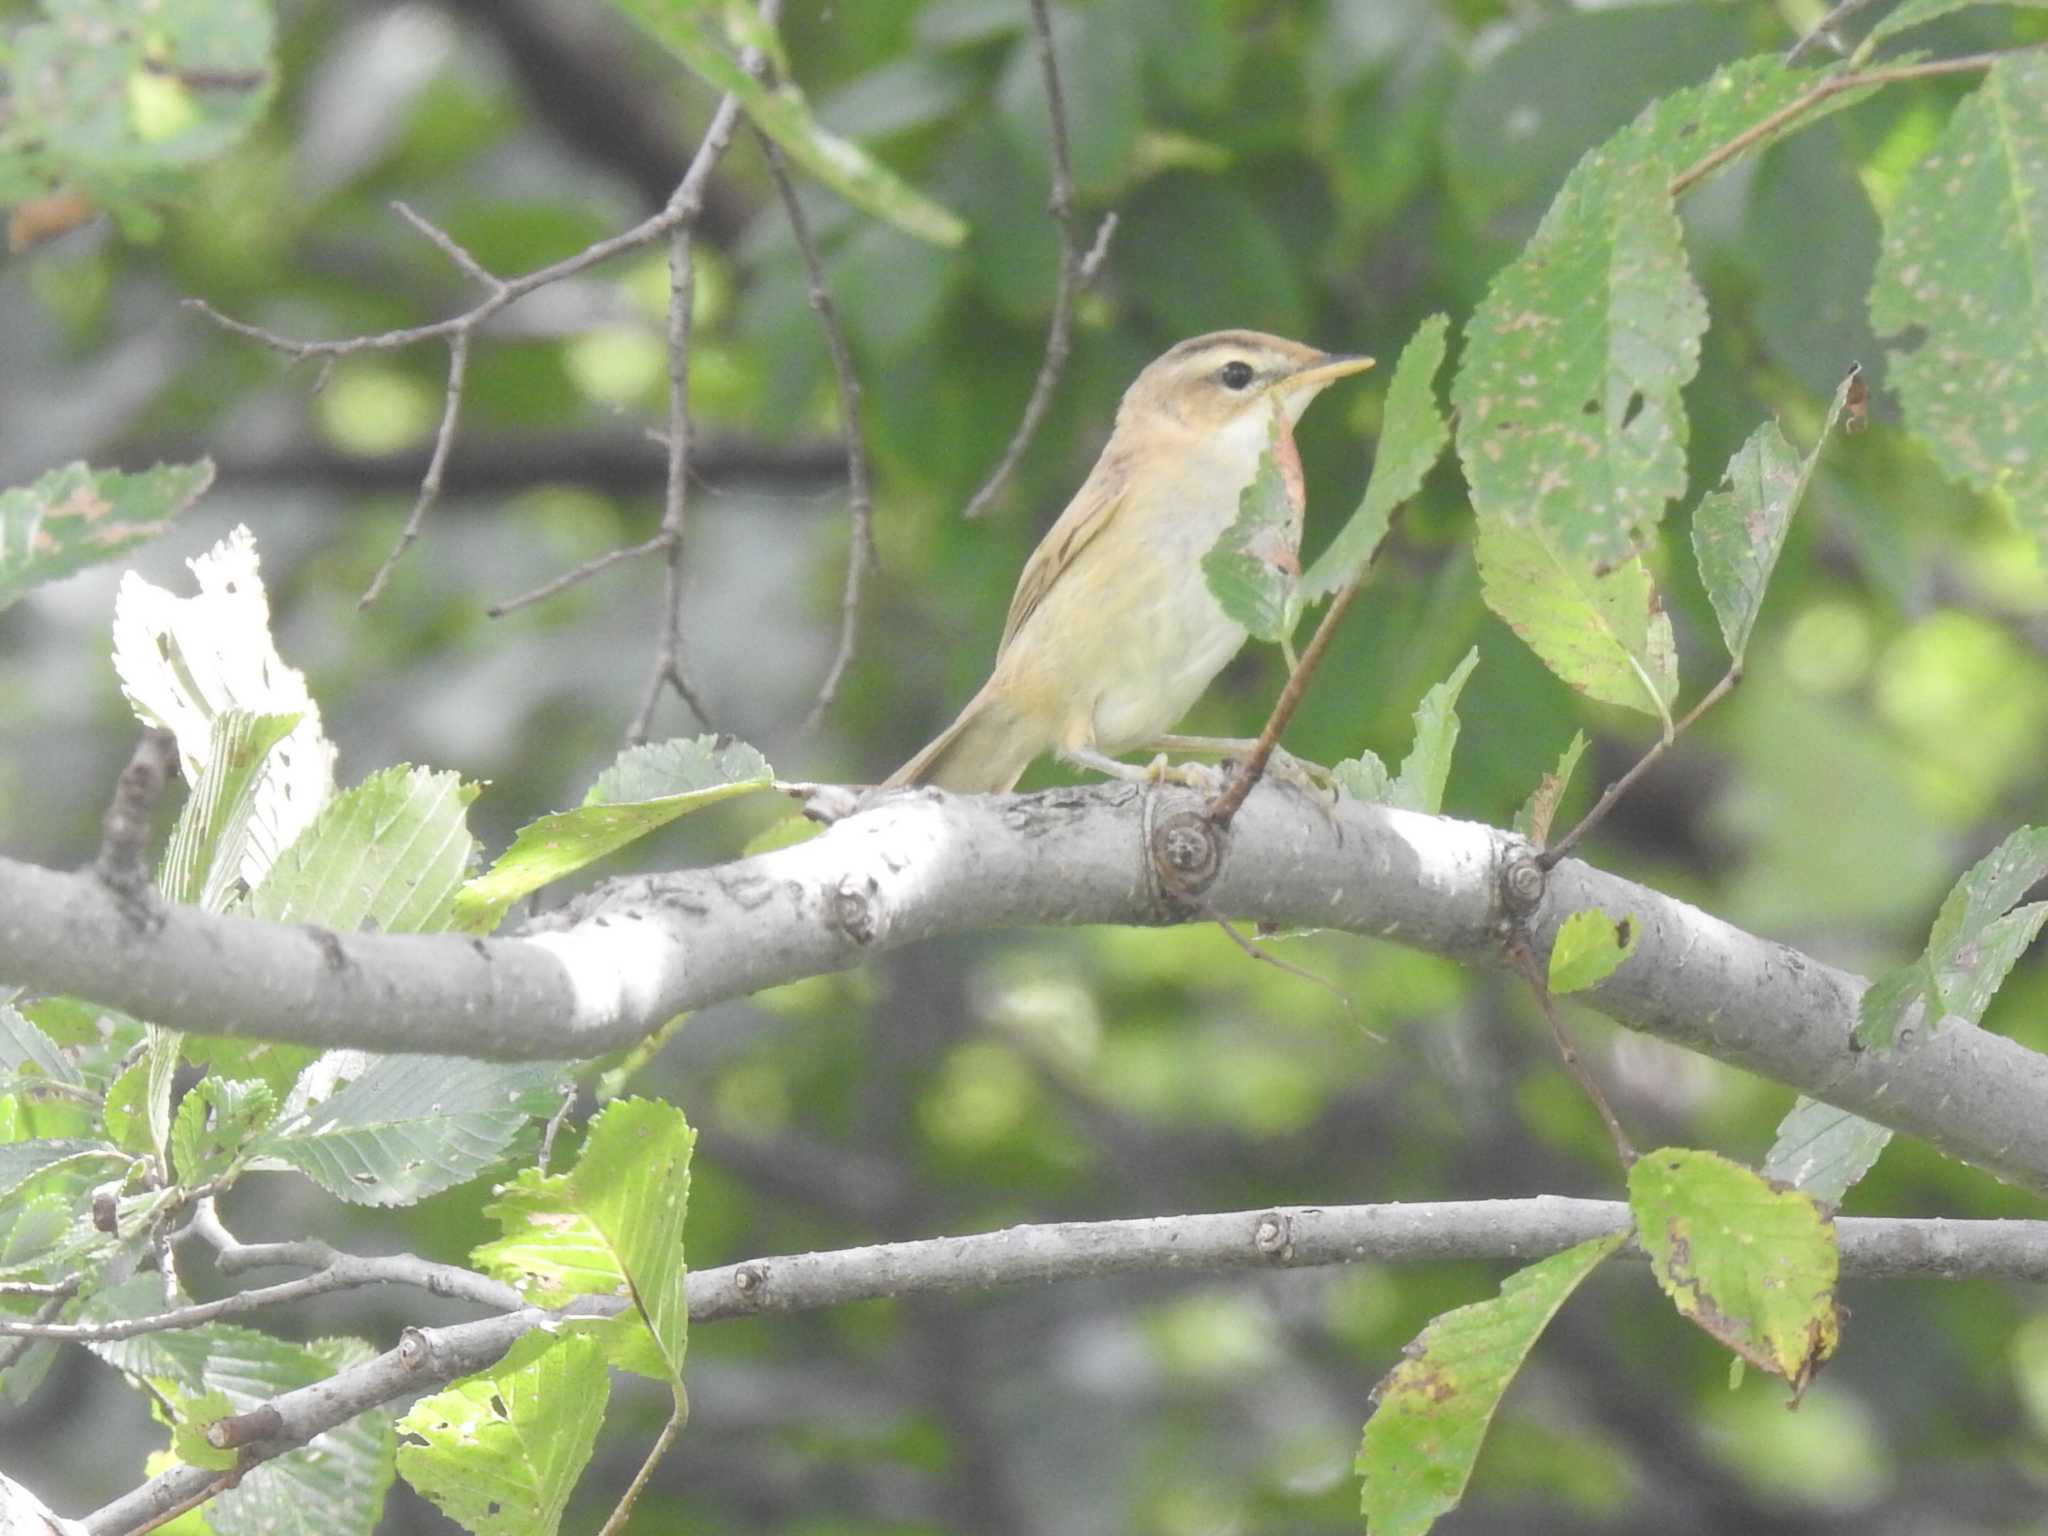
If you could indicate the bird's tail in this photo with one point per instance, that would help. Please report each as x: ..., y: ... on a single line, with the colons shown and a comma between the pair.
x: 985, y: 751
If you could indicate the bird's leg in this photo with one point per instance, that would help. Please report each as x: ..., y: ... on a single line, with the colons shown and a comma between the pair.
x: 1195, y: 775
x: 1282, y: 765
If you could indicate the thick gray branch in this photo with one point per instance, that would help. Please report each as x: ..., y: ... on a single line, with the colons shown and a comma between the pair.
x: 920, y: 863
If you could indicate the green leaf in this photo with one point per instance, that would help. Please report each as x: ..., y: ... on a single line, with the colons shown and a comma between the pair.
x: 615, y: 1223
x: 208, y: 849
x: 1365, y: 777
x: 1427, y: 767
x: 781, y: 112
x: 188, y: 1437
x: 389, y: 854
x: 1590, y: 946
x: 412, y: 1126
x: 1737, y: 533
x: 1570, y: 422
x: 1431, y: 1413
x: 75, y: 517
x: 1824, y: 1150
x: 214, y: 1122
x: 1916, y: 13
x: 646, y: 788
x: 1534, y: 818
x: 27, y: 1052
x: 500, y: 1452
x: 1607, y: 635
x: 1753, y: 1265
x: 21, y: 1161
x: 1412, y: 437
x: 1962, y: 272
x: 1252, y: 569
x: 1978, y: 937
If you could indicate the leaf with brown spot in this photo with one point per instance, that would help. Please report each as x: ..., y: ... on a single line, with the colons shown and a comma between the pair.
x: 77, y: 516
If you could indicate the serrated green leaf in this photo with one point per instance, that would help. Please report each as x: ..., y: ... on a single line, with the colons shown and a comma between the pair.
x: 1365, y: 777
x: 633, y: 1181
x: 1534, y: 818
x: 1590, y: 946
x: 1427, y: 767
x: 1607, y: 635
x: 1960, y: 277
x: 1412, y: 437
x: 1824, y: 1150
x: 1252, y: 569
x: 664, y: 780
x: 1431, y: 1412
x: 500, y: 1452
x: 1977, y: 938
x: 77, y: 516
x: 389, y: 854
x: 550, y: 1250
x: 26, y: 1051
x: 1737, y: 533
x: 214, y: 1122
x: 1570, y: 422
x: 21, y: 1161
x: 188, y: 1436
x: 412, y: 1126
x: 1917, y: 13
x: 781, y: 112
x: 209, y: 844
x: 1752, y: 1265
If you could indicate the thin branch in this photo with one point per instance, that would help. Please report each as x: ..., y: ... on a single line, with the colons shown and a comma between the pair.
x: 1824, y: 30
x: 1076, y: 269
x: 1833, y: 85
x: 1224, y: 808
x: 1525, y: 961
x: 624, y: 1509
x: 59, y: 1296
x: 579, y: 574
x: 860, y: 556
x: 1549, y: 857
x: 437, y: 466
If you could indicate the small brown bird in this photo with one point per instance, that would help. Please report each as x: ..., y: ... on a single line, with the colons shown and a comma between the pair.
x: 1113, y: 633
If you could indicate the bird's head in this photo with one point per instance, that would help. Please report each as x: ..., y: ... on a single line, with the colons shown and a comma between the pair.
x: 1215, y: 382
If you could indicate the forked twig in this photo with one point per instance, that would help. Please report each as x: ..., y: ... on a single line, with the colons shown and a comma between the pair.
x: 1077, y: 268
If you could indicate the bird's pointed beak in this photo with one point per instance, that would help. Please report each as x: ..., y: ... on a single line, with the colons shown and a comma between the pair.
x: 1332, y: 367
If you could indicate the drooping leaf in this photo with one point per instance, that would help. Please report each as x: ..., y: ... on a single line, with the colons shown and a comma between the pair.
x: 781, y: 112
x: 1412, y: 437
x: 1607, y: 635
x: 75, y: 517
x: 500, y: 1452
x: 411, y: 1126
x: 1961, y: 279
x: 1753, y: 1265
x: 1978, y: 936
x: 185, y: 660
x: 1253, y: 569
x: 389, y: 854
x: 1737, y: 533
x: 1824, y: 1150
x: 1431, y: 1412
x: 648, y: 787
x: 1534, y: 818
x: 1590, y: 946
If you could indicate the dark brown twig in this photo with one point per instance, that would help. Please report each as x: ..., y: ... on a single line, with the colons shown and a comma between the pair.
x: 123, y: 860
x: 1077, y: 268
x: 861, y: 556
x: 1225, y: 806
x: 1550, y: 856
x: 1524, y: 961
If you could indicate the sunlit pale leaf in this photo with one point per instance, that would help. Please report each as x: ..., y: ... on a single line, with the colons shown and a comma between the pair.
x: 1412, y: 437
x: 1606, y: 635
x: 500, y: 1453
x: 75, y: 517
x: 633, y: 1180
x: 1824, y: 1150
x: 1961, y: 274
x: 1751, y: 1264
x: 648, y: 787
x: 781, y: 112
x: 1431, y: 1413
x: 1590, y: 947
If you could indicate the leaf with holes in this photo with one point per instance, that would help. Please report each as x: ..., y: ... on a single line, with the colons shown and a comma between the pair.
x: 1254, y: 568
x: 1590, y: 947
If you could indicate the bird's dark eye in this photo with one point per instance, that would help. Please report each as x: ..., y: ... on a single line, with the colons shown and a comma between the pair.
x: 1235, y: 374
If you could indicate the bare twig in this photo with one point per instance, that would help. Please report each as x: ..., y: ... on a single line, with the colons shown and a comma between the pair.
x: 662, y: 1442
x: 1076, y: 268
x: 581, y: 573
x: 1824, y: 30
x: 1524, y: 961
x: 430, y: 484
x: 860, y: 556
x: 1833, y: 85
x: 1225, y: 806
x: 1549, y: 857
